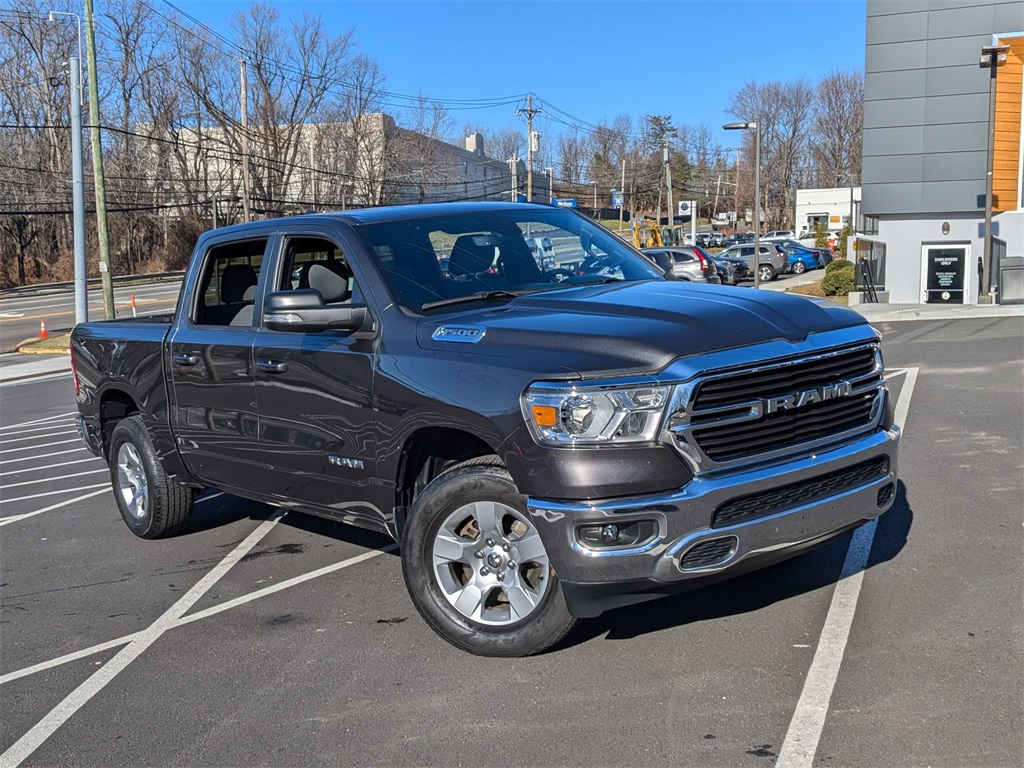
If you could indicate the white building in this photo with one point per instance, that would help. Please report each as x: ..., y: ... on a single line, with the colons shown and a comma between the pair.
x: 831, y: 207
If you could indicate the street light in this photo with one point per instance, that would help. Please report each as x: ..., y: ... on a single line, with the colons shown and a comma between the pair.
x: 992, y: 58
x: 52, y: 18
x: 757, y: 191
x: 80, y: 263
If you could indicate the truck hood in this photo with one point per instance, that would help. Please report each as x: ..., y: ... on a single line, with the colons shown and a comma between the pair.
x: 630, y: 328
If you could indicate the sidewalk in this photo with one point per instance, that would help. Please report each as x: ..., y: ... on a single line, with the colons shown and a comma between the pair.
x: 878, y: 313
x: 12, y: 371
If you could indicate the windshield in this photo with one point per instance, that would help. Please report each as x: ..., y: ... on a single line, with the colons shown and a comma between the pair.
x: 495, y: 255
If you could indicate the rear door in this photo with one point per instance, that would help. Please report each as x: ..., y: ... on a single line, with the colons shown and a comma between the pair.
x: 214, y: 396
x: 313, y: 390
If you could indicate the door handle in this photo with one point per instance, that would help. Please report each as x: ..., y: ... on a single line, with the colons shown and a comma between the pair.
x: 185, y: 358
x: 269, y: 366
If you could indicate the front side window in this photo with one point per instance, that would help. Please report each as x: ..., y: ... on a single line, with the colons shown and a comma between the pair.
x: 317, y: 263
x: 434, y: 262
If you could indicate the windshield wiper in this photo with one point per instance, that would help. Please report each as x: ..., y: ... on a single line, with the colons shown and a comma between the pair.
x: 481, y: 296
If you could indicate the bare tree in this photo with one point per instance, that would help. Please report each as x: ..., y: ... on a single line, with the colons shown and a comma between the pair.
x: 837, y: 139
x: 782, y: 111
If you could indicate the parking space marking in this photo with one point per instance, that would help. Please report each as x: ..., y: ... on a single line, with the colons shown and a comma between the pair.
x: 62, y: 477
x: 199, y: 615
x: 48, y: 466
x: 67, y: 502
x: 65, y: 452
x: 45, y: 445
x: 78, y: 698
x: 36, y: 421
x: 35, y: 429
x: 801, y: 741
x: 36, y: 437
x: 54, y: 493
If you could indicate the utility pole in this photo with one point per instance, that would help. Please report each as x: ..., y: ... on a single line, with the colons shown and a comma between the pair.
x: 78, y: 194
x: 622, y: 186
x: 246, y: 204
x: 529, y: 112
x: 992, y: 57
x: 668, y: 185
x: 718, y: 188
x: 97, y: 165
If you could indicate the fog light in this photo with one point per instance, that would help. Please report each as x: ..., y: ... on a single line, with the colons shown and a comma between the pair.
x: 617, y: 535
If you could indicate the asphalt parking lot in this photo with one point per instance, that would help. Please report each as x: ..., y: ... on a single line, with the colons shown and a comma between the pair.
x: 267, y: 639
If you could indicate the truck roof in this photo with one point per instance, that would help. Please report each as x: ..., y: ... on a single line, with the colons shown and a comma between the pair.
x: 392, y: 213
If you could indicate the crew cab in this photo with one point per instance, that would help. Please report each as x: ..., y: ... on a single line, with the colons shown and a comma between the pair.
x: 544, y: 445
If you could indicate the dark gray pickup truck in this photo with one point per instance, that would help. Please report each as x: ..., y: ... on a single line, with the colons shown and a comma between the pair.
x: 545, y: 444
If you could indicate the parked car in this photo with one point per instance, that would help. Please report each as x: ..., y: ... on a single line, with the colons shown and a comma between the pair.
x: 771, y: 262
x: 687, y: 262
x: 717, y: 240
x: 779, y: 234
x: 738, y: 268
x: 704, y: 239
x: 801, y: 259
x: 544, y: 451
x: 823, y: 255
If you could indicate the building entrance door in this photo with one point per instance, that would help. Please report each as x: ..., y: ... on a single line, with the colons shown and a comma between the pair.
x: 944, y: 274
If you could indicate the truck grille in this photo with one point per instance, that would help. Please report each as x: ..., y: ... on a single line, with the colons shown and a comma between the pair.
x: 794, y: 495
x: 773, y: 409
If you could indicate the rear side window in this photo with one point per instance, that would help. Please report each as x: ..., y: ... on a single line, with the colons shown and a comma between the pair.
x: 227, y: 286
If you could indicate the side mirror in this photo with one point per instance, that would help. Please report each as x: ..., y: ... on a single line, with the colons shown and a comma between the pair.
x: 304, y: 310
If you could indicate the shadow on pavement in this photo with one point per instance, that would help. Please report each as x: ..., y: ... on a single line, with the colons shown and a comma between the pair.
x: 804, y: 573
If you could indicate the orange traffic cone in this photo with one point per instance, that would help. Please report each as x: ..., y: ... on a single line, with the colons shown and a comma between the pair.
x: 42, y: 330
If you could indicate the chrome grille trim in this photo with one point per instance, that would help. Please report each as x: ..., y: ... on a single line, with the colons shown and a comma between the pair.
x: 686, y: 422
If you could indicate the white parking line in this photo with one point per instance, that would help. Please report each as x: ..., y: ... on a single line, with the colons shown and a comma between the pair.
x: 37, y: 437
x: 41, y: 731
x: 199, y: 615
x: 67, y: 502
x: 74, y: 474
x: 36, y: 429
x: 54, y: 493
x: 37, y: 421
x: 46, y: 445
x: 801, y: 742
x: 65, y: 452
x: 63, y: 464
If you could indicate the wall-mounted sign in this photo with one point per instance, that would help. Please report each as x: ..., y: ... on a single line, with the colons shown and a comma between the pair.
x: 945, y: 270
x: 565, y: 202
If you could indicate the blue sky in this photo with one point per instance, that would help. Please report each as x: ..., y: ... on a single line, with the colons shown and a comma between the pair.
x: 593, y: 59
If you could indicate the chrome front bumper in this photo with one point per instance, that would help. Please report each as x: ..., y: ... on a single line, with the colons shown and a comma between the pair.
x: 683, y: 518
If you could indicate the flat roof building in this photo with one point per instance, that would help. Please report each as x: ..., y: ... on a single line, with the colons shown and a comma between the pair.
x: 926, y: 133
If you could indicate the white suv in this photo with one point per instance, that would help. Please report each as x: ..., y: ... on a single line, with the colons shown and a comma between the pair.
x: 780, y: 234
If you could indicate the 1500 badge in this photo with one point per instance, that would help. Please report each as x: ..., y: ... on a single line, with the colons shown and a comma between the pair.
x: 466, y: 334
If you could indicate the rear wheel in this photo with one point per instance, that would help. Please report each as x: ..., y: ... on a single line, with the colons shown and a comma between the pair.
x: 799, y: 268
x: 766, y: 272
x: 476, y: 568
x: 152, y: 505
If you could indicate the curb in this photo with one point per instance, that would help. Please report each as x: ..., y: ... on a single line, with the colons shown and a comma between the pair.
x: 27, y: 347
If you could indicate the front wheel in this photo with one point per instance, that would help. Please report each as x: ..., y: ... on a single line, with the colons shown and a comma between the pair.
x: 766, y: 272
x: 799, y: 268
x: 152, y: 504
x: 476, y: 568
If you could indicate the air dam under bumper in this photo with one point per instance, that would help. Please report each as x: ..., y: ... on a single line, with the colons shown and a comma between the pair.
x: 688, y: 548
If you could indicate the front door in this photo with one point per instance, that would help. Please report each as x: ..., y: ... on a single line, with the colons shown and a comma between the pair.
x: 945, y: 274
x: 211, y: 367
x: 313, y: 391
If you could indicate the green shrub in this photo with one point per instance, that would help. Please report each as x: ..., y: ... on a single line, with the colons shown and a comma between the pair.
x: 839, y: 278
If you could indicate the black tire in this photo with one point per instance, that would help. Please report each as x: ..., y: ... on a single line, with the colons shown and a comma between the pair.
x: 159, y: 506
x: 446, y: 498
x: 767, y: 273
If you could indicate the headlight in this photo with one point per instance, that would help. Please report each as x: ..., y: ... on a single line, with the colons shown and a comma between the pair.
x: 594, y: 415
